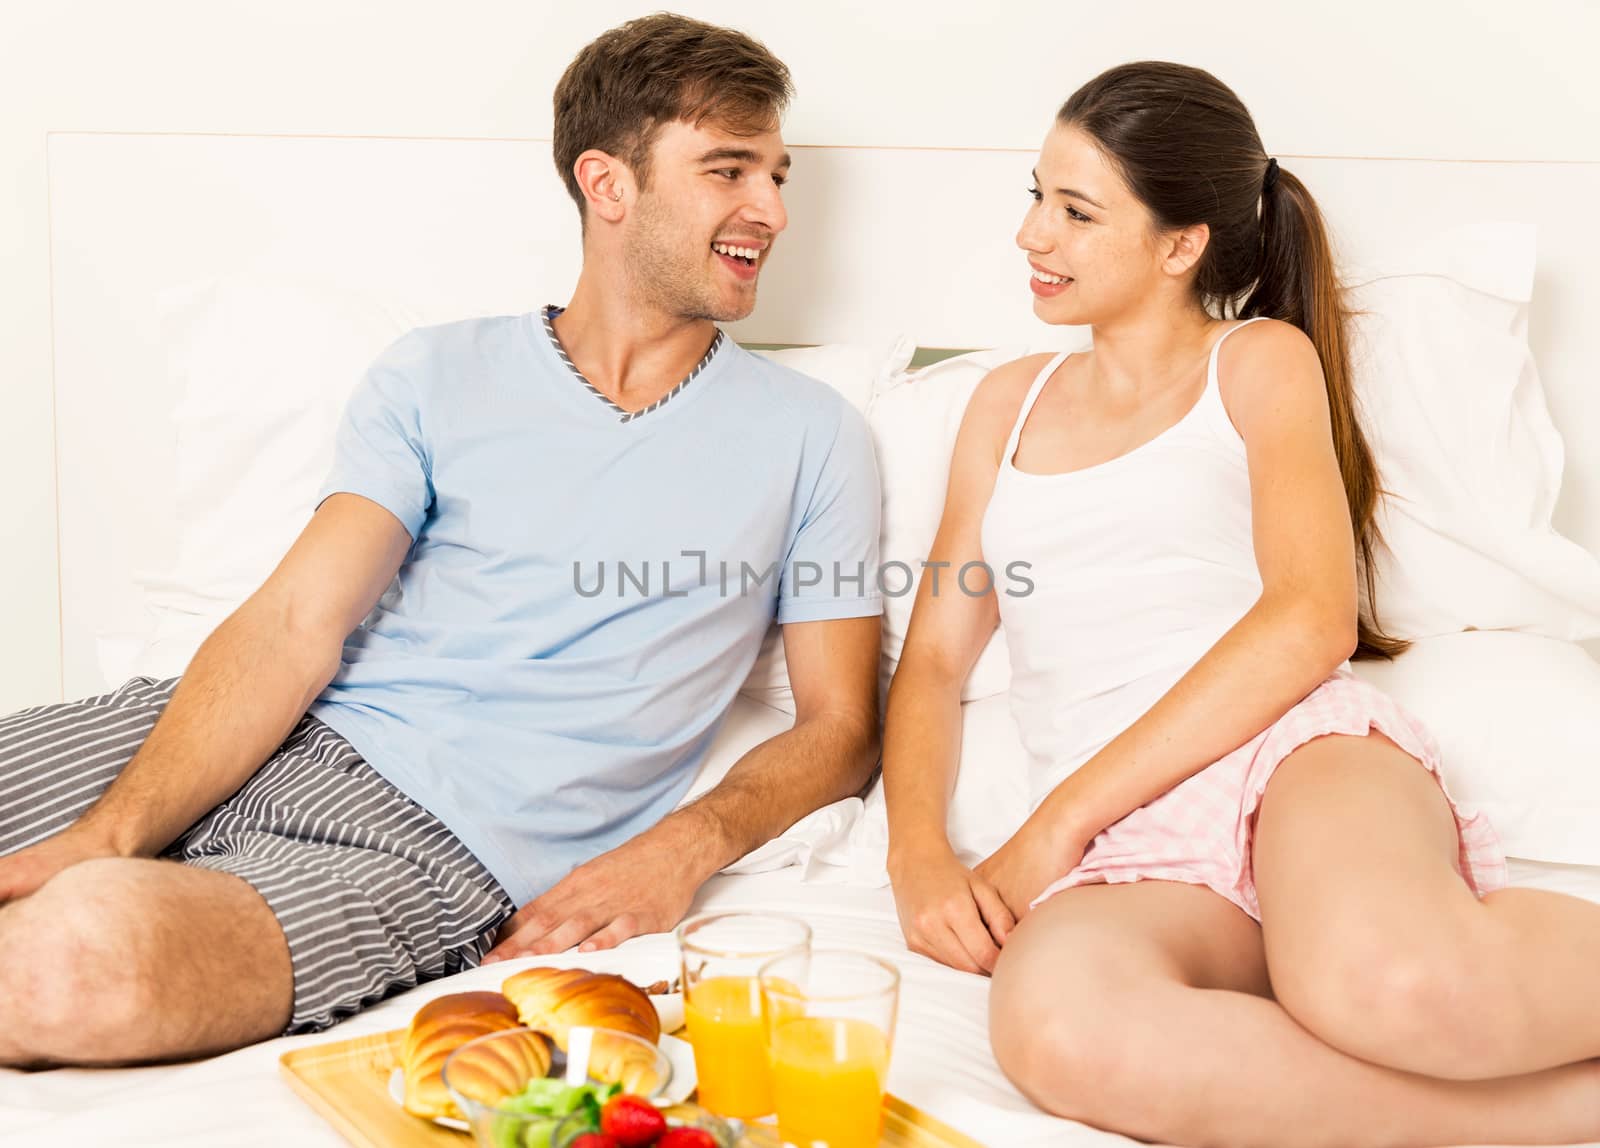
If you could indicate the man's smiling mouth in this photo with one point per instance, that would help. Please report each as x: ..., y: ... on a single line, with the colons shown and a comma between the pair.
x: 746, y: 255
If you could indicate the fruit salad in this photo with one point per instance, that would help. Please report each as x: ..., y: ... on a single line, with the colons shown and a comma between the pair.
x: 552, y: 1099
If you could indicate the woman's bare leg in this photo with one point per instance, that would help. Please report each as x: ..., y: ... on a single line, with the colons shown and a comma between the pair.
x: 1144, y: 1009
x: 1377, y: 945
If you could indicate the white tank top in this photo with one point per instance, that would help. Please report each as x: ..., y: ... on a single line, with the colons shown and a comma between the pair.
x: 1138, y: 564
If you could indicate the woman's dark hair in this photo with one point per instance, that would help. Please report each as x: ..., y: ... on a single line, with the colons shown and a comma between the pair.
x: 1188, y: 149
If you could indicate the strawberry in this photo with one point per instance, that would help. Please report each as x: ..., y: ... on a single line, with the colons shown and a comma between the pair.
x: 687, y: 1138
x: 632, y: 1120
x: 594, y: 1140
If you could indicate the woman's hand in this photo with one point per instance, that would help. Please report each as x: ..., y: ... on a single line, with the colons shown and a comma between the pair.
x: 949, y: 913
x: 1026, y: 865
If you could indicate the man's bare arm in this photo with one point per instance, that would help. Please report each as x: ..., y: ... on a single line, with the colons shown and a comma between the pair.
x: 253, y: 679
x: 829, y: 754
x: 647, y: 884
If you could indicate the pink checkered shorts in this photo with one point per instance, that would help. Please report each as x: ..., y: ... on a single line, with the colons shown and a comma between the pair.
x: 1199, y: 832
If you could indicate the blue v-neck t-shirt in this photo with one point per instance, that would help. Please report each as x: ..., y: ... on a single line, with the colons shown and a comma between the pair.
x: 585, y: 592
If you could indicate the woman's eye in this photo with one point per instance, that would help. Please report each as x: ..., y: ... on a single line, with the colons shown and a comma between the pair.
x: 1074, y: 214
x: 1037, y: 195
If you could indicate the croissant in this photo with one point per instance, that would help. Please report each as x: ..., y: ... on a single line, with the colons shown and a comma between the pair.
x: 489, y: 1074
x: 553, y: 1000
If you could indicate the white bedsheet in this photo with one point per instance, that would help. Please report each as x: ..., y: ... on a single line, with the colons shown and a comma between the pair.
x: 941, y: 1060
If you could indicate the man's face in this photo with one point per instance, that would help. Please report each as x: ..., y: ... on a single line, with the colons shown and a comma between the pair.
x: 700, y: 234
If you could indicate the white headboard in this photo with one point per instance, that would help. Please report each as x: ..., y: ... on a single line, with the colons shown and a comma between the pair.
x: 880, y: 239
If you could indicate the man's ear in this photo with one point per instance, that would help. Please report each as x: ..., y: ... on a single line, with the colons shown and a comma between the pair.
x: 1181, y: 250
x: 606, y: 183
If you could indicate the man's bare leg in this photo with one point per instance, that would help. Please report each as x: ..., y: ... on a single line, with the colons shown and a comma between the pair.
x: 121, y: 961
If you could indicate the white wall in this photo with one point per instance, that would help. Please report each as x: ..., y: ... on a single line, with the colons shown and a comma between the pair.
x: 1370, y: 78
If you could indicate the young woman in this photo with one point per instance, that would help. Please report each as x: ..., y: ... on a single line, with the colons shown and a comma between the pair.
x: 1243, y: 910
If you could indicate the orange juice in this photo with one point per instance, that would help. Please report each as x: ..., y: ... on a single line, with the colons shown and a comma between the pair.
x: 730, y: 1045
x: 828, y: 1078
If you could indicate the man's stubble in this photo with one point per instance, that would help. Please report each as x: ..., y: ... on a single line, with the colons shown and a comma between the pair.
x: 667, y: 273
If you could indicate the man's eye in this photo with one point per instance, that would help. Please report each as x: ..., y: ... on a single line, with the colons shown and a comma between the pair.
x: 730, y: 173
x: 780, y: 180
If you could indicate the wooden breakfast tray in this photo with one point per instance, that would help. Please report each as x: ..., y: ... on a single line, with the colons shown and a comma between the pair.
x: 347, y: 1082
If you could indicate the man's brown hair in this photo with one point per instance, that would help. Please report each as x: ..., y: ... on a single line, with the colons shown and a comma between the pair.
x: 623, y: 87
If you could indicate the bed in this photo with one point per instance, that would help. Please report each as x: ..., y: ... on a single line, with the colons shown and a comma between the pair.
x: 475, y: 226
x: 941, y: 1061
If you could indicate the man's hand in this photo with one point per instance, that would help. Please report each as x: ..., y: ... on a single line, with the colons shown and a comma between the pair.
x: 24, y: 871
x: 1027, y: 864
x: 643, y: 886
x: 949, y: 913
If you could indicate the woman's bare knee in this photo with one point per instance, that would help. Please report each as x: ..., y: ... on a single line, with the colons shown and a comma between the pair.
x: 1422, y: 1006
x: 1081, y: 988
x: 1064, y: 1049
x: 1387, y: 957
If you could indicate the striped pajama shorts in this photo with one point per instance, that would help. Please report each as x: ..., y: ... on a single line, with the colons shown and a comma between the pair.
x: 373, y: 893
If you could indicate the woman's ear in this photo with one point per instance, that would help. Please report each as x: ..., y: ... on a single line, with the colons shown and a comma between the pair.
x: 604, y: 180
x: 1183, y: 249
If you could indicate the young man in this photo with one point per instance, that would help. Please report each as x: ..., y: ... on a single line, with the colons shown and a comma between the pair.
x: 484, y: 675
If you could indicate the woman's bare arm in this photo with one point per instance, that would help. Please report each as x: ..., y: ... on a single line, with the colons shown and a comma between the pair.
x: 947, y: 912
x: 1297, y: 633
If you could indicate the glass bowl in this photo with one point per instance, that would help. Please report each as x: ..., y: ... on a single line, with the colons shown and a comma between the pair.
x: 727, y: 1134
x: 483, y: 1074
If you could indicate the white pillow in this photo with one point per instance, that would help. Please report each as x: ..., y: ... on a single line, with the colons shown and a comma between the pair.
x: 1517, y: 719
x: 748, y: 724
x: 914, y: 424
x: 161, y: 653
x: 264, y: 365
x: 1465, y: 444
x: 857, y: 372
x: 989, y: 802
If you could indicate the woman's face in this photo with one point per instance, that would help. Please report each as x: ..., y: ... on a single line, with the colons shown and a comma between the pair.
x: 1090, y: 243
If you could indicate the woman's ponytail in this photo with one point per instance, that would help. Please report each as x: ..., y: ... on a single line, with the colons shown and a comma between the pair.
x: 1297, y: 283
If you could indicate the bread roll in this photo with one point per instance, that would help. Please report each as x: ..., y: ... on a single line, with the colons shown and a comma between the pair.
x: 488, y: 1074
x: 553, y: 1000
x: 616, y: 1057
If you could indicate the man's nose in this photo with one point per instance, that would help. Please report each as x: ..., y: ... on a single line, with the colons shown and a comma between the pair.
x: 766, y: 207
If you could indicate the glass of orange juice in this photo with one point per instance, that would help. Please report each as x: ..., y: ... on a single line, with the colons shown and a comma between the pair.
x: 722, y: 954
x: 830, y: 1018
